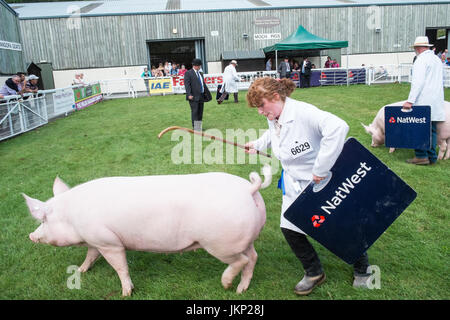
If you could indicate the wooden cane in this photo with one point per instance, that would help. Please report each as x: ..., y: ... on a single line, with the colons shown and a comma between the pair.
x: 211, y: 137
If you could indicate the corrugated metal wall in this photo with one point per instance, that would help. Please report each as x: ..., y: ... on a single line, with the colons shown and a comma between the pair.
x: 109, y: 41
x: 10, y: 61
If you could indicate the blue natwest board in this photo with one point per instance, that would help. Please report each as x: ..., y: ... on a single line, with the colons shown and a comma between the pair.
x: 408, y: 129
x: 350, y: 210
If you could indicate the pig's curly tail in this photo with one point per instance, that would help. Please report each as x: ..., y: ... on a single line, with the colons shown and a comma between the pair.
x: 256, y: 181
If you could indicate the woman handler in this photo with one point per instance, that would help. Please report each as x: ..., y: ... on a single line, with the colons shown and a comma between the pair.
x: 319, y: 137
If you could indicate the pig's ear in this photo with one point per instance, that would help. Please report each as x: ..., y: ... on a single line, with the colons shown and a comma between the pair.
x: 38, y: 209
x: 367, y: 128
x: 59, y: 186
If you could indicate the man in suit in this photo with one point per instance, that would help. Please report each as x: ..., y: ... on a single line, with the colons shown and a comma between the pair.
x: 284, y: 69
x: 196, y: 93
x: 305, y: 75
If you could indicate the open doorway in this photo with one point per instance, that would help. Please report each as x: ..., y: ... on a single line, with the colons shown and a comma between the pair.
x: 180, y: 51
x: 439, y: 37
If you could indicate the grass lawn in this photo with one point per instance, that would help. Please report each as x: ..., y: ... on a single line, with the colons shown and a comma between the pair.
x: 119, y: 138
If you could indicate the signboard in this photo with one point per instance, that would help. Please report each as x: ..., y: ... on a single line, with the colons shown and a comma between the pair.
x: 160, y: 85
x: 351, y: 209
x: 267, y: 22
x: 10, y: 45
x: 87, y: 96
x: 267, y: 36
x: 63, y: 101
x: 408, y: 129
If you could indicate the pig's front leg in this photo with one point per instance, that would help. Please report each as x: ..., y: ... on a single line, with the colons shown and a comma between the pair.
x: 91, y: 256
x: 116, y: 257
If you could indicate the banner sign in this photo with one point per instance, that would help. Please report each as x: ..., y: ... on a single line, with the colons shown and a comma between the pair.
x: 63, y: 100
x: 160, y: 85
x: 216, y: 79
x: 332, y: 76
x: 267, y: 36
x: 87, y: 95
x: 10, y: 45
x: 349, y: 210
x: 408, y: 129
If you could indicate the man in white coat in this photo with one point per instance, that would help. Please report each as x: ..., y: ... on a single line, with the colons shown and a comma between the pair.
x: 320, y: 137
x: 230, y: 80
x: 427, y: 89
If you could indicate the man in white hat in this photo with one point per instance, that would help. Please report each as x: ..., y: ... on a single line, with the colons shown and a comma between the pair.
x: 32, y: 84
x: 427, y: 89
x: 230, y: 80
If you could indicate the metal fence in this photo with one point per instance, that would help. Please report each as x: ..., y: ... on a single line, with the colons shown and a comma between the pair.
x: 20, y: 114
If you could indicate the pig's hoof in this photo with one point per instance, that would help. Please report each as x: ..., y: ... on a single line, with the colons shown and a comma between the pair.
x: 226, y: 284
x: 83, y: 269
x: 241, y: 288
x: 126, y: 292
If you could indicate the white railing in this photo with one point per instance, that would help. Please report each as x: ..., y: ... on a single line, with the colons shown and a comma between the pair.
x: 20, y: 114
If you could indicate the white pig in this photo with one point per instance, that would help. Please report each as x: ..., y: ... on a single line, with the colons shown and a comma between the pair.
x: 218, y: 212
x: 376, y: 130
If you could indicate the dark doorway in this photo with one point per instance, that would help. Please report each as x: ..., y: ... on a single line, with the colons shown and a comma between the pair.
x: 178, y: 51
x: 438, y: 37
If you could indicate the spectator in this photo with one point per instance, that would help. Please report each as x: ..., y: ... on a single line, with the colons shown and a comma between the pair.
x: 269, y: 65
x: 313, y: 66
x: 146, y: 75
x: 284, y: 69
x: 167, y: 68
x: 182, y: 71
x: 174, y: 70
x: 296, y: 66
x: 328, y: 62
x: 23, y: 82
x: 160, y: 70
x: 334, y: 64
x: 78, y: 79
x: 448, y: 61
x: 10, y: 88
x: 31, y: 85
x: 305, y: 75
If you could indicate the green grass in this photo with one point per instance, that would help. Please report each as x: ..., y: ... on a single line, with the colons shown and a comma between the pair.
x: 120, y: 138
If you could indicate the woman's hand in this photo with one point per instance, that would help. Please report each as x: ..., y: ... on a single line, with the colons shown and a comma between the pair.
x: 317, y: 179
x: 250, y: 148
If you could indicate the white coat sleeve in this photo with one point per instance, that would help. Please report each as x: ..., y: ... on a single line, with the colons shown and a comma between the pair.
x: 418, y: 81
x: 235, y: 75
x: 333, y: 131
x: 263, y: 142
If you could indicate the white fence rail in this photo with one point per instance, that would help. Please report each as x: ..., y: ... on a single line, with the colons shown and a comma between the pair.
x: 20, y: 114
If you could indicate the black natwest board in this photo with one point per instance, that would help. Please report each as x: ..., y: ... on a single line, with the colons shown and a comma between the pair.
x: 408, y: 129
x: 349, y: 211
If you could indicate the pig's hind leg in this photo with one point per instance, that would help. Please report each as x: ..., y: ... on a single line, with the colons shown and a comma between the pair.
x: 116, y: 257
x: 235, y: 263
x: 91, y: 257
x: 247, y: 272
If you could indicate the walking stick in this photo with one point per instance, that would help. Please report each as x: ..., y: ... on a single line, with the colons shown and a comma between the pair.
x: 211, y: 137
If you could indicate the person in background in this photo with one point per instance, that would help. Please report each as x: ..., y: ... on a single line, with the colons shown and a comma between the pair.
x: 334, y: 63
x: 23, y: 82
x: 182, y: 71
x: 269, y: 64
x: 305, y: 74
x: 32, y: 84
x: 284, y: 69
x: 146, y: 75
x: 10, y: 87
x: 197, y: 93
x: 328, y: 62
x: 448, y: 61
x: 174, y: 70
x: 230, y: 80
x: 427, y: 89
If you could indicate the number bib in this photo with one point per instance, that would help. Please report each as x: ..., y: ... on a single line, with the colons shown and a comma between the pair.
x: 299, y: 149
